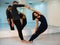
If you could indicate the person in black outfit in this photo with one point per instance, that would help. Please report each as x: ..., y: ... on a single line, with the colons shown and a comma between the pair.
x: 9, y: 17
x: 16, y: 19
x: 39, y: 29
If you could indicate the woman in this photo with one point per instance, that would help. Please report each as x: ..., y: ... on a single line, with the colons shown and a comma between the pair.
x: 23, y: 19
x: 39, y: 29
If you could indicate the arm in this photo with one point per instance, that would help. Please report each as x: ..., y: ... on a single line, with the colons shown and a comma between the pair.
x: 8, y: 21
x: 22, y: 16
x: 32, y: 9
x: 36, y: 25
x: 7, y: 14
x: 20, y: 5
x: 26, y: 6
x: 12, y: 22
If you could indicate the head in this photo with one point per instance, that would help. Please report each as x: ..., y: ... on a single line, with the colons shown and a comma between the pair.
x: 35, y: 15
x: 10, y: 7
x: 15, y: 3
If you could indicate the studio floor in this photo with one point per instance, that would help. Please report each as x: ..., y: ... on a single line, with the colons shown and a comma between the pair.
x: 46, y: 39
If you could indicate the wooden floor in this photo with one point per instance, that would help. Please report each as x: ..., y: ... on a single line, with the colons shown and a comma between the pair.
x: 47, y: 39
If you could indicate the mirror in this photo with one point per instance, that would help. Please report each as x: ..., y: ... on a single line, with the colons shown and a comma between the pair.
x: 36, y: 4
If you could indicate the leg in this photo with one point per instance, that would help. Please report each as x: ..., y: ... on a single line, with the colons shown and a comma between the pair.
x: 18, y: 25
x: 21, y: 35
x: 20, y: 32
x: 38, y: 32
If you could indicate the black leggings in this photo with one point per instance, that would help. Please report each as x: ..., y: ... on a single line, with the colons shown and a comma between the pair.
x: 20, y: 27
x: 38, y: 32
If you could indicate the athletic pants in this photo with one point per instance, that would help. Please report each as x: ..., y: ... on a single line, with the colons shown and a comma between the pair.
x: 40, y: 30
x: 20, y: 27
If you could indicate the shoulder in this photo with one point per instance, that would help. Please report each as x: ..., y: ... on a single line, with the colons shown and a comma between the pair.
x: 7, y: 11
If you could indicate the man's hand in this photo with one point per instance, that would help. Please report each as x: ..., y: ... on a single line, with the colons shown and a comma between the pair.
x: 27, y: 6
x: 12, y: 24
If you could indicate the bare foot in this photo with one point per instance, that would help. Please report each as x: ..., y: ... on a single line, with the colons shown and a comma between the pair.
x: 23, y: 41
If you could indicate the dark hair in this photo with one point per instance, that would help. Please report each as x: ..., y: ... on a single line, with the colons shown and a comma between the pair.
x: 9, y: 6
x: 15, y: 2
x: 21, y: 14
x: 33, y: 17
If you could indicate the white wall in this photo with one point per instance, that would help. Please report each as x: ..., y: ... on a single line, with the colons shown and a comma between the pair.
x: 53, y: 12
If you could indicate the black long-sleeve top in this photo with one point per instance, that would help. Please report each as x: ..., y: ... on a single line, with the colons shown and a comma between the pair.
x: 8, y: 14
x: 43, y: 21
x: 15, y: 14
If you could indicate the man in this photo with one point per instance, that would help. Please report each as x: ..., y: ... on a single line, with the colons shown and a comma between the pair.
x: 9, y: 17
x: 16, y: 18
